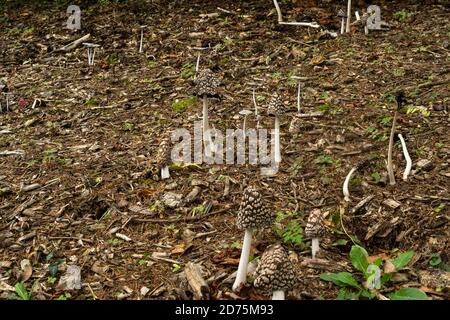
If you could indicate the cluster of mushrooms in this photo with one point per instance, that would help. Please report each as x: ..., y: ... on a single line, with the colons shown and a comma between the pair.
x: 275, y: 271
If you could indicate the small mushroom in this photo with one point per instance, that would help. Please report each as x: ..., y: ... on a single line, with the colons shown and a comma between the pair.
x: 315, y: 228
x: 359, y: 167
x: 276, y: 108
x: 252, y: 214
x: 275, y: 272
x: 245, y: 113
x: 349, y: 14
x: 142, y: 38
x: 407, y: 158
x: 91, y: 51
x: 163, y: 158
x: 206, y: 85
x: 400, y: 99
x: 342, y: 15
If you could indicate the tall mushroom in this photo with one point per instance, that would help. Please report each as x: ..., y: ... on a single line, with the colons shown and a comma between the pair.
x: 276, y: 108
x: 400, y: 98
x: 315, y: 228
x: 252, y: 214
x: 342, y: 15
x: 206, y: 85
x: 275, y: 272
x: 349, y: 14
x: 163, y: 158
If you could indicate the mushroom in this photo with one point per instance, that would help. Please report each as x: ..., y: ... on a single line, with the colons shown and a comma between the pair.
x: 142, y: 38
x: 91, y: 51
x: 342, y: 15
x: 315, y: 229
x: 400, y: 98
x: 252, y: 214
x: 407, y: 157
x: 245, y: 113
x: 275, y: 272
x: 349, y: 14
x: 205, y: 86
x: 163, y: 158
x: 276, y: 108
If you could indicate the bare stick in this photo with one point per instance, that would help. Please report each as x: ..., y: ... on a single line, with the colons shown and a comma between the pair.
x: 407, y: 158
x: 74, y: 44
x: 303, y: 24
x: 390, y: 168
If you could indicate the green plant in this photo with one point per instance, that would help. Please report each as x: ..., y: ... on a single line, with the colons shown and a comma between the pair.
x: 175, y: 267
x: 289, y: 229
x: 187, y: 71
x: 373, y: 280
x: 22, y: 292
x: 418, y: 109
x: 324, y: 107
x: 276, y: 75
x: 376, y: 177
x: 295, y: 167
x: 65, y: 296
x: 199, y: 209
x: 128, y: 126
x: 181, y: 105
x: 402, y: 15
x: 437, y: 262
x: 375, y: 134
x: 385, y: 121
x: 327, y: 160
x: 91, y: 102
x: 113, y: 58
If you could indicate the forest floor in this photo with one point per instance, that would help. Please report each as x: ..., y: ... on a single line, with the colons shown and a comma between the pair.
x: 73, y: 182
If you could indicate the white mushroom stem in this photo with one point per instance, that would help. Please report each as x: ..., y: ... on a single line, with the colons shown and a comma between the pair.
x: 390, y: 167
x: 346, y: 182
x: 241, y: 276
x: 197, y: 65
x: 205, y: 115
x: 349, y: 15
x: 277, y: 140
x: 142, y: 39
x: 277, y: 7
x: 165, y: 174
x: 342, y: 25
x: 407, y: 158
x: 314, y: 247
x: 256, y: 109
x: 278, y: 295
x: 243, y: 126
x: 299, y: 94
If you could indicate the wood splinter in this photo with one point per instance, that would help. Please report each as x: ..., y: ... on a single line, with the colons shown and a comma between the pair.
x: 195, y: 279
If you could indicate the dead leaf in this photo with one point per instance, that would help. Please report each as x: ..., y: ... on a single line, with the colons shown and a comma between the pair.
x: 71, y: 279
x: 389, y: 267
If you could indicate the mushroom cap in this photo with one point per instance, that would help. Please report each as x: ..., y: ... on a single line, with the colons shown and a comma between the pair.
x: 275, y: 270
x: 206, y: 83
x: 276, y: 106
x: 342, y: 13
x: 90, y: 45
x: 315, y: 227
x: 164, y: 150
x: 253, y: 213
x: 245, y: 112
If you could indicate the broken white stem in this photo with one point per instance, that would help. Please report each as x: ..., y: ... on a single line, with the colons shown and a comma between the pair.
x: 277, y: 140
x: 278, y: 295
x: 303, y: 24
x: 390, y: 167
x: 342, y: 25
x: 299, y: 93
x: 407, y: 158
x: 256, y: 109
x: 241, y: 276
x: 314, y: 247
x: 346, y: 182
x: 277, y: 7
x: 349, y: 15
x: 243, y: 126
x: 366, y: 30
x: 142, y: 40
x: 197, y: 65
x: 165, y: 174
x: 358, y: 17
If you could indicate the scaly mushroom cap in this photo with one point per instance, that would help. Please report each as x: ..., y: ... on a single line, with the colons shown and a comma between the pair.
x: 275, y: 270
x: 163, y: 155
x: 252, y: 212
x: 276, y: 106
x: 315, y: 227
x: 342, y: 13
x: 206, y: 83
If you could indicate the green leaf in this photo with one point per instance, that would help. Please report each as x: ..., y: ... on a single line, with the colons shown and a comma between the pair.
x: 402, y: 260
x: 342, y: 279
x: 408, y: 294
x: 435, y: 260
x: 22, y: 291
x: 385, y: 278
x: 358, y: 256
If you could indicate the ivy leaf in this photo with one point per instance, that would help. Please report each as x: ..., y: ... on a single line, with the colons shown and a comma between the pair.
x: 402, y: 260
x: 408, y: 294
x: 342, y: 279
x: 358, y: 256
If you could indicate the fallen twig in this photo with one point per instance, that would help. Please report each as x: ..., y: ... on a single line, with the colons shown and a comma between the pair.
x: 184, y: 219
